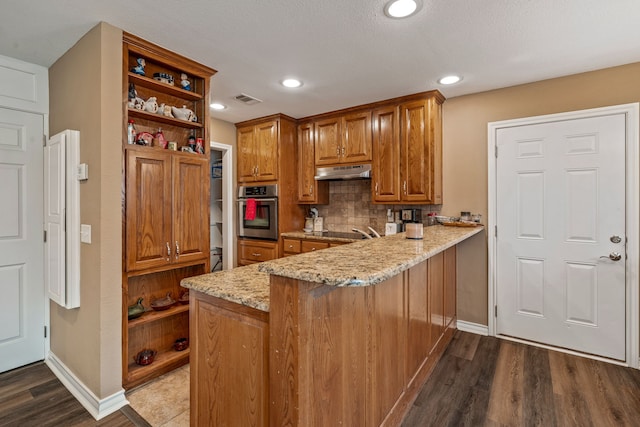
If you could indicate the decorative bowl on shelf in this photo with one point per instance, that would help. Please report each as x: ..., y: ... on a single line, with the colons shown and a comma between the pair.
x: 184, y: 298
x: 163, y: 303
x: 181, y: 344
x: 136, y: 310
x: 145, y: 357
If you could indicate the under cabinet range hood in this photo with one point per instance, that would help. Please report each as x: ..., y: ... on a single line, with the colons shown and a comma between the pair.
x: 343, y: 172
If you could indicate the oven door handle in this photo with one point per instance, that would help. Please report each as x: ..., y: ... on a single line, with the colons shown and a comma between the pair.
x: 257, y: 199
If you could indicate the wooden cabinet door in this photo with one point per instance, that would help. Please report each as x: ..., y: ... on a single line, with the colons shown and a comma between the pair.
x: 416, y: 152
x: 419, y: 328
x: 356, y: 138
x: 148, y: 209
x: 386, y: 155
x: 307, y: 185
x: 190, y: 209
x: 246, y: 154
x: 436, y: 296
x: 266, y: 149
x: 328, y: 137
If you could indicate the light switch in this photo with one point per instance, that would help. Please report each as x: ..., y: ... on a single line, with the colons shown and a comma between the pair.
x: 85, y: 233
x: 83, y: 172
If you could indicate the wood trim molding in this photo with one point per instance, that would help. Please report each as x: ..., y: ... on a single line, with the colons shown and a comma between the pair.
x: 98, y: 408
x: 474, y: 328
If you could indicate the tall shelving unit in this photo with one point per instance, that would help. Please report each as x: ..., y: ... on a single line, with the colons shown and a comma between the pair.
x: 165, y: 206
x: 216, y: 225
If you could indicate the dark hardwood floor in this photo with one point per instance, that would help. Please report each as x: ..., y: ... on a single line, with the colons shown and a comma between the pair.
x: 480, y: 381
x: 484, y: 381
x: 33, y: 396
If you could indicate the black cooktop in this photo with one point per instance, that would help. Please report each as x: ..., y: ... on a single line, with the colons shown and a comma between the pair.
x: 342, y: 235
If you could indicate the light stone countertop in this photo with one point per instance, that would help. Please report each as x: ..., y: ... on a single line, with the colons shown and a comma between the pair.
x: 362, y: 263
x: 368, y: 262
x: 242, y: 285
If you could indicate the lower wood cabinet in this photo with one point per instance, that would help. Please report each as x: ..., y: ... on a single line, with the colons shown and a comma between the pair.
x: 229, y: 363
x: 291, y: 246
x: 253, y: 251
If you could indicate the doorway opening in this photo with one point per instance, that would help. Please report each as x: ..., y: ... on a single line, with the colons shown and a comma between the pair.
x: 221, y: 207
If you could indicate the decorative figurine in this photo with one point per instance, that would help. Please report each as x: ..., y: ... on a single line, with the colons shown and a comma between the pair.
x: 191, y: 142
x: 133, y: 93
x: 186, y: 84
x: 139, y: 69
x: 138, y: 103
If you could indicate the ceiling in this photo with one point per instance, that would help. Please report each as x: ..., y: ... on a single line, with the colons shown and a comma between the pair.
x: 347, y: 52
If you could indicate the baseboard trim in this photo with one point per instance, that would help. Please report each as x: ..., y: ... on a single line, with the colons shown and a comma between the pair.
x: 98, y: 408
x: 474, y: 328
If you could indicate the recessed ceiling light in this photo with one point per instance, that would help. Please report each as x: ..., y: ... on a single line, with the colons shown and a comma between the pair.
x: 402, y: 8
x: 217, y: 106
x: 449, y: 80
x: 291, y: 83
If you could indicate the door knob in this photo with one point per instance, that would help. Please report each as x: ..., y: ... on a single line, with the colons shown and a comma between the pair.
x: 613, y: 256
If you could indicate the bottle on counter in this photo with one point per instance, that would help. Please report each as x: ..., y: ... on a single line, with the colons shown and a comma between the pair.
x: 131, y: 132
x: 159, y: 139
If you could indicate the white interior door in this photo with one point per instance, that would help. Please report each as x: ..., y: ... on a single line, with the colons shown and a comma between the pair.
x: 21, y: 240
x: 560, y: 246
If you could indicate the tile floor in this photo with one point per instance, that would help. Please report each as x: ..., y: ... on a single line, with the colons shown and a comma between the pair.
x: 164, y: 402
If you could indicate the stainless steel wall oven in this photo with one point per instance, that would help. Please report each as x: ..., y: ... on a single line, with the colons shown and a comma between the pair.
x: 258, y: 212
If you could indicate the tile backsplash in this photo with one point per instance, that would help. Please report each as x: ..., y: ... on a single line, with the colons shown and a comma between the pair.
x: 350, y: 206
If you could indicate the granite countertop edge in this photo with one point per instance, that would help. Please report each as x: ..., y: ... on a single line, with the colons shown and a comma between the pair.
x: 363, y: 263
x: 354, y: 265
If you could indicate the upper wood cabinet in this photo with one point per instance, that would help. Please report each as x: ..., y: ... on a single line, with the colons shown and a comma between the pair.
x: 410, y: 130
x: 310, y: 191
x: 386, y: 154
x: 258, y: 152
x: 343, y: 139
x: 167, y: 209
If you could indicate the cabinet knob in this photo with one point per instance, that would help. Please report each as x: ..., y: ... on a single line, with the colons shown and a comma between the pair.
x: 168, y: 251
x: 290, y: 246
x: 343, y: 151
x: 177, y: 250
x: 376, y: 188
x: 404, y: 187
x: 311, y: 189
x: 313, y: 249
x: 338, y: 151
x: 255, y: 255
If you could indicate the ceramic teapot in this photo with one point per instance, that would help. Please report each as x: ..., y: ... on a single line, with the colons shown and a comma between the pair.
x: 183, y: 113
x: 151, y: 105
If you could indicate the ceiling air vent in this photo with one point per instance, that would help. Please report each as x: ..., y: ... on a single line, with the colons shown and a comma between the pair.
x: 247, y: 99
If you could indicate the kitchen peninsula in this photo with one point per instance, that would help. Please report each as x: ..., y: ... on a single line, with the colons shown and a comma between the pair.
x: 340, y: 336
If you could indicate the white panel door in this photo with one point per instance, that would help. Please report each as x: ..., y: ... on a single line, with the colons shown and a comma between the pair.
x: 560, y: 203
x: 21, y: 240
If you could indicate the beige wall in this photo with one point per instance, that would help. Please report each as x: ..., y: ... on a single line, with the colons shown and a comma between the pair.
x: 465, y: 122
x: 85, y: 94
x: 225, y: 133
